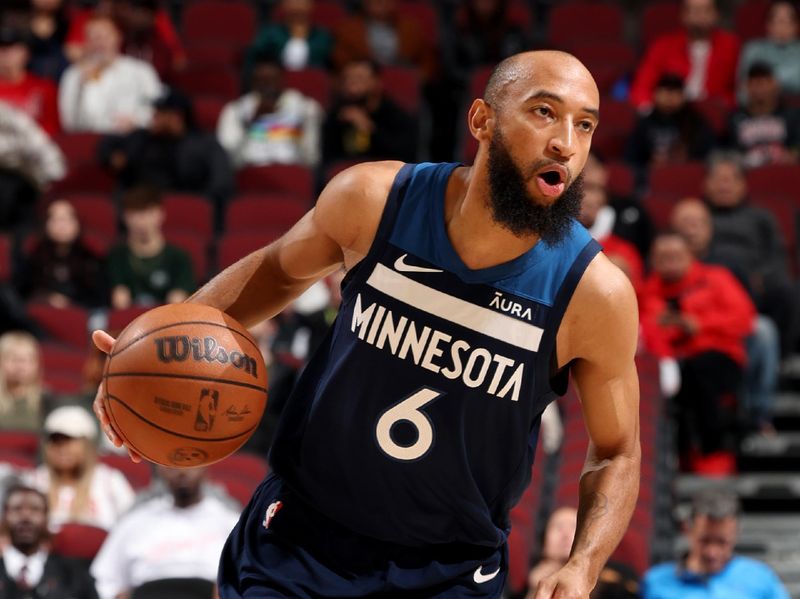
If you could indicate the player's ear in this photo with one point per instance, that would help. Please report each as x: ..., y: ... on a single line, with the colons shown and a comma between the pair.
x: 480, y: 119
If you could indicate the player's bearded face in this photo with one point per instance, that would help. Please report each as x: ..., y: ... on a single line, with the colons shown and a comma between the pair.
x: 513, y: 206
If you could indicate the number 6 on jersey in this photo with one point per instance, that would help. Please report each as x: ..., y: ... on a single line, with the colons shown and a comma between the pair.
x: 408, y: 410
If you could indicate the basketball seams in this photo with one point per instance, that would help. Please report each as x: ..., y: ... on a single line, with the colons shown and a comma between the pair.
x: 108, y: 375
x: 171, y: 432
x: 178, y: 324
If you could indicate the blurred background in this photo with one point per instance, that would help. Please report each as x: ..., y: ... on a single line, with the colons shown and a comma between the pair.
x: 145, y: 145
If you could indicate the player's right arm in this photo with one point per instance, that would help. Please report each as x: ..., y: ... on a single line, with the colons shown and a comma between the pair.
x: 337, y: 232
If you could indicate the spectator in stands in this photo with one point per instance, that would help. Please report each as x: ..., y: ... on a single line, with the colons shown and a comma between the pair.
x: 699, y: 315
x: 28, y: 569
x: 764, y: 130
x: 710, y: 569
x: 179, y: 535
x: 617, y: 581
x: 35, y: 97
x: 780, y: 49
x: 23, y: 399
x: 748, y: 236
x: 79, y: 487
x: 559, y: 533
x: 144, y: 39
x: 701, y: 53
x: 49, y: 22
x: 272, y: 123
x: 625, y: 217
x: 294, y: 41
x: 29, y: 162
x: 624, y: 254
x: 380, y: 34
x: 691, y: 218
x: 106, y: 92
x: 673, y: 132
x: 363, y: 123
x: 146, y: 270
x: 61, y: 269
x: 172, y: 153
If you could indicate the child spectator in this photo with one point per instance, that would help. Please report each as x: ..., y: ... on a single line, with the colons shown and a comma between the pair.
x: 23, y: 399
x: 49, y: 24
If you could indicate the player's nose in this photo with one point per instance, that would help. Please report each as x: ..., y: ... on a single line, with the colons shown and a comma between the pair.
x: 563, y: 142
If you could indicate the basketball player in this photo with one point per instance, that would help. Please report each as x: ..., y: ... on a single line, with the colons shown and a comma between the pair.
x: 470, y: 292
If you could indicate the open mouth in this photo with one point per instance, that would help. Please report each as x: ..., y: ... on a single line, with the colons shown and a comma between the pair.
x: 551, y: 181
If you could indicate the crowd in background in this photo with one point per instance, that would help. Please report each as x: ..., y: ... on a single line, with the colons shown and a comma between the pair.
x: 714, y: 270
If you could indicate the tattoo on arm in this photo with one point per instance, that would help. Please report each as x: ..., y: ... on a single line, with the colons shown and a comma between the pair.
x: 594, y: 506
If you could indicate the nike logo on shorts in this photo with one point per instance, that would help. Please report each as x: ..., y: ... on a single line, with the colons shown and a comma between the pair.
x: 401, y: 266
x: 479, y: 577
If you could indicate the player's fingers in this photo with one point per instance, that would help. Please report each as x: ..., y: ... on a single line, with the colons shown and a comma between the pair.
x: 135, y: 457
x: 100, y: 411
x: 545, y: 590
x: 103, y: 341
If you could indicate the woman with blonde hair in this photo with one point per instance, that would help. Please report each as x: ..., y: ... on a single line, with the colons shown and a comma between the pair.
x: 78, y: 487
x: 23, y: 399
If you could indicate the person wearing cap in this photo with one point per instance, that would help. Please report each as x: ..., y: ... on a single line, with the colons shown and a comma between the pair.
x: 107, y: 92
x: 710, y: 570
x: 764, y: 130
x: 78, y: 487
x: 36, y: 97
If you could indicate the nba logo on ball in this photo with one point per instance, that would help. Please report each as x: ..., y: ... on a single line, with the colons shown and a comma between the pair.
x: 206, y: 410
x: 273, y: 509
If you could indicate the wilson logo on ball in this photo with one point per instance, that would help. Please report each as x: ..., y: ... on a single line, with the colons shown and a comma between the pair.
x: 180, y: 348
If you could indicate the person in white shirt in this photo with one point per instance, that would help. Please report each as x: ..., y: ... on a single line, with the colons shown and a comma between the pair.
x: 107, y: 92
x: 78, y: 487
x: 271, y: 124
x: 27, y: 568
x: 179, y: 535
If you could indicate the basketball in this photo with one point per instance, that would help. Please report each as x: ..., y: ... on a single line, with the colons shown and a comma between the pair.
x: 185, y: 385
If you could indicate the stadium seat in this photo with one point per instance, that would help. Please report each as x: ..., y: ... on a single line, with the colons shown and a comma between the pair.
x: 188, y: 212
x: 96, y: 213
x: 213, y: 54
x: 678, y: 180
x: 314, y: 83
x: 620, y: 179
x: 119, y: 319
x: 596, y: 52
x: 574, y: 21
x: 6, y: 257
x: 196, y: 246
x: 84, y: 178
x: 20, y: 442
x: 59, y: 358
x: 402, y: 85
x: 775, y: 179
x: 207, y: 110
x: 68, y: 325
x: 230, y: 21
x: 657, y: 19
x: 138, y: 474
x: 246, y: 466
x: 617, y: 121
x: 19, y: 461
x: 283, y: 178
x: 219, y: 82
x: 78, y: 148
x: 78, y: 541
x: 659, y: 207
x: 519, y: 14
x: 750, y: 19
x: 715, y: 112
x: 424, y: 15
x: 263, y: 211
x: 232, y: 247
x: 325, y: 14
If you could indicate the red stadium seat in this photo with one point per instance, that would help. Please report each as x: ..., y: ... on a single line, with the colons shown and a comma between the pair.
x: 775, y: 179
x: 138, y: 474
x: 616, y: 123
x: 188, y: 212
x: 78, y: 148
x: 60, y: 358
x: 283, y: 178
x: 96, y: 212
x: 659, y: 207
x: 678, y: 180
x: 750, y: 19
x: 218, y: 82
x: 6, y: 256
x: 79, y: 541
x: 231, y: 21
x: 620, y: 179
x: 242, y: 465
x: 213, y: 54
x: 314, y: 83
x: 595, y: 52
x: 119, y: 319
x: 233, y: 247
x: 260, y: 211
x: 197, y: 248
x: 19, y: 461
x: 519, y: 14
x: 659, y: 18
x: 402, y: 85
x: 425, y: 17
x: 207, y: 110
x: 715, y: 112
x: 325, y: 14
x: 67, y: 325
x: 574, y: 21
x: 84, y: 178
x: 20, y: 442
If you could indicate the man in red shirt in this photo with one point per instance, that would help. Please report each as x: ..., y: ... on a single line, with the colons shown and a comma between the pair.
x: 701, y: 53
x: 34, y: 96
x: 700, y: 315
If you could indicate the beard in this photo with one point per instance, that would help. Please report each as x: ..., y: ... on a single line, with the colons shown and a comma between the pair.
x: 515, y: 209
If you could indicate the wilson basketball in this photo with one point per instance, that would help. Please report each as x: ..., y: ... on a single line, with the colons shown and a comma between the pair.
x: 185, y: 385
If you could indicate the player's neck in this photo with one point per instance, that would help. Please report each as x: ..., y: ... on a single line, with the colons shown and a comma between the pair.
x: 477, y: 239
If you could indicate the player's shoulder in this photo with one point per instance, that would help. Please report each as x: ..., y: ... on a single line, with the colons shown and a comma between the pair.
x: 605, y: 286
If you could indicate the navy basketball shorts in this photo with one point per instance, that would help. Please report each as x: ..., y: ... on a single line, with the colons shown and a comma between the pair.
x: 282, y: 548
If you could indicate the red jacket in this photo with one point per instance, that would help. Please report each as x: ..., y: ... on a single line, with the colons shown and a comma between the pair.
x: 711, y: 296
x: 38, y: 98
x: 670, y: 54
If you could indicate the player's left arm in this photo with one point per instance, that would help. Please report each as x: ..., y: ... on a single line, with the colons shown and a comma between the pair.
x: 600, y: 339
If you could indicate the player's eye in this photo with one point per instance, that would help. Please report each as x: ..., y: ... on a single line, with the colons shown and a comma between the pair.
x: 543, y: 111
x: 586, y: 126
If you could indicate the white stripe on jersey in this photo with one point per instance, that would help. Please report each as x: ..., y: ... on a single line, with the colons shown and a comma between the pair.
x: 479, y: 319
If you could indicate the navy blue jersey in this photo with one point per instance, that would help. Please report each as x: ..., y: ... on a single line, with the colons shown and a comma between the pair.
x: 415, y: 423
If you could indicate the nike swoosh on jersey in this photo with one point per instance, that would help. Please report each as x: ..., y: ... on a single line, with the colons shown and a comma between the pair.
x: 401, y: 266
x: 480, y: 578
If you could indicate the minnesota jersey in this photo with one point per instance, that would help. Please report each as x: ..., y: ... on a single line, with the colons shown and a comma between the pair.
x: 416, y: 421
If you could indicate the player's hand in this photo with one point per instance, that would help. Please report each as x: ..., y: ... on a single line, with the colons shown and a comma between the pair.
x: 567, y: 583
x: 105, y: 343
